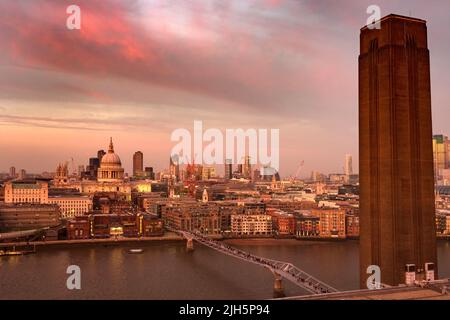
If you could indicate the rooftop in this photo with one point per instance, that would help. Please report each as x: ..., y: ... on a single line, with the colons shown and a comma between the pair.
x: 26, y: 186
x: 398, y: 17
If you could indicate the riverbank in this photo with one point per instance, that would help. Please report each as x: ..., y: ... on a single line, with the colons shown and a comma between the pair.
x: 278, y: 242
x: 291, y: 242
x: 168, y: 237
x: 172, y: 237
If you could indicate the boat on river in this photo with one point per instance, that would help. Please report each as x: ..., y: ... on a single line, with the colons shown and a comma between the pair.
x: 135, y: 251
x: 15, y: 252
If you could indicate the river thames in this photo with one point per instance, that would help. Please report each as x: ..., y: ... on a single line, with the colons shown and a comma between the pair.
x: 167, y: 271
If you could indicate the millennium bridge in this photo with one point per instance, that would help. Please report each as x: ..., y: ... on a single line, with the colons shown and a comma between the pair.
x: 279, y: 269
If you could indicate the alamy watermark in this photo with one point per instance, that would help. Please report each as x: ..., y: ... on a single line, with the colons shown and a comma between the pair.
x: 374, y: 20
x: 374, y: 280
x: 73, y: 22
x: 74, y: 280
x: 213, y: 146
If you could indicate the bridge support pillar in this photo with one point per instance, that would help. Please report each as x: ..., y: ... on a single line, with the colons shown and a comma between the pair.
x: 189, y: 244
x: 278, y: 290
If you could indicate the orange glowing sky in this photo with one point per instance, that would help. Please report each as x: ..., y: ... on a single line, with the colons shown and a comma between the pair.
x: 139, y: 69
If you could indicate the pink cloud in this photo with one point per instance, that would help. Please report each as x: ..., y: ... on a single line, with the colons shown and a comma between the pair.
x: 244, y: 63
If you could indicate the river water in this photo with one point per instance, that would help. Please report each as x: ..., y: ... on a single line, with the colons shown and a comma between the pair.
x: 167, y: 271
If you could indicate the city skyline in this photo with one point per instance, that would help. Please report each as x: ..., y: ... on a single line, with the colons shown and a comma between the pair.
x: 64, y: 93
x: 143, y: 162
x: 347, y: 168
x: 224, y: 150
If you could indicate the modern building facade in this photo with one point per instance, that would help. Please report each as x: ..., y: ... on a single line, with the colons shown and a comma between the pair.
x: 247, y: 168
x: 348, y: 168
x: 193, y: 217
x: 91, y: 170
x: 228, y: 169
x: 441, y: 155
x: 100, y: 154
x: 22, y: 174
x: 12, y: 172
x: 397, y: 219
x: 308, y: 227
x: 251, y: 225
x: 174, y: 167
x: 138, y: 164
x: 352, y: 226
x: 283, y: 223
x: 331, y: 223
x: 149, y: 173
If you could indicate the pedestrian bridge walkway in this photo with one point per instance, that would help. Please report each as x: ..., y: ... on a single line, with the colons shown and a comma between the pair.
x: 279, y: 269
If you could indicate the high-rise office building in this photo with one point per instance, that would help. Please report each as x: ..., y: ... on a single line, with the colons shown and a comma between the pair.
x: 81, y: 169
x: 12, y: 172
x: 22, y: 174
x: 174, y: 167
x: 228, y: 169
x: 149, y: 173
x: 247, y: 168
x: 348, y: 167
x: 441, y: 154
x: 100, y: 154
x: 138, y: 164
x: 396, y: 157
x: 91, y: 170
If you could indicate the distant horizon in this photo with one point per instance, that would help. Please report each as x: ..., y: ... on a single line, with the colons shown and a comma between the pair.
x: 129, y: 172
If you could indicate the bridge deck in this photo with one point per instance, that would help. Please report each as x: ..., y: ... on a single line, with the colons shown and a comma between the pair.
x: 280, y: 268
x: 439, y: 290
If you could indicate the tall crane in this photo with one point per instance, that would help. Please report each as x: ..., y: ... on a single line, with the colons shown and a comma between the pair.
x: 298, y: 170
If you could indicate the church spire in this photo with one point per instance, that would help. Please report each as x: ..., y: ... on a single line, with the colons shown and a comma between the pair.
x: 111, y: 146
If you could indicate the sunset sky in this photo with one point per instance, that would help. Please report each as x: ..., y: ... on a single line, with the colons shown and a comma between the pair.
x: 139, y: 69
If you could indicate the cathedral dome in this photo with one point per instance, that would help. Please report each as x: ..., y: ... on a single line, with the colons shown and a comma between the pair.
x: 111, y: 159
x: 110, y: 167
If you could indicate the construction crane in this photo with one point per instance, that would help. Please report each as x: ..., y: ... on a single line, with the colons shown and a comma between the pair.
x: 298, y: 171
x: 190, y: 181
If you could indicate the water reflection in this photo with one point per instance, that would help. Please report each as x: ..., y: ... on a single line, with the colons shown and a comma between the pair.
x: 167, y: 271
